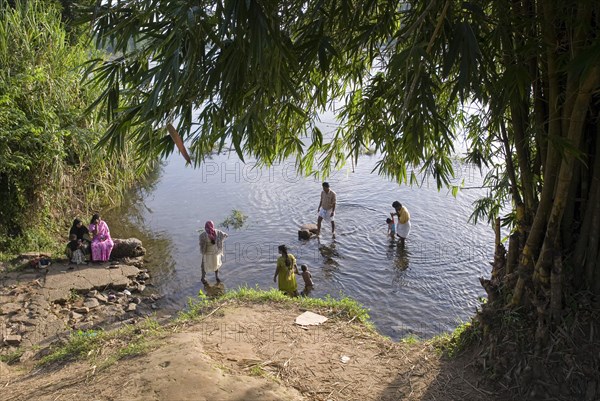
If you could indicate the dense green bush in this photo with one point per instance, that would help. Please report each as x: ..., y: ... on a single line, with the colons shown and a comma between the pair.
x: 50, y: 169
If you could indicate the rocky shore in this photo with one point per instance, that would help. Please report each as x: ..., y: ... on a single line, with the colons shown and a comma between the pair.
x: 41, y: 306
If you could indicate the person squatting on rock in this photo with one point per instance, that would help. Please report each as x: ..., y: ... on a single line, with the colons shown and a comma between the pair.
x: 82, y: 233
x: 74, y: 250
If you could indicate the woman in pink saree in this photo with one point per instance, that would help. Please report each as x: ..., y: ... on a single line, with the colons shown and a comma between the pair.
x: 102, y: 244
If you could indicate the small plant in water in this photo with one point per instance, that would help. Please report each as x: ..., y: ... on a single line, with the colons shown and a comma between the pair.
x: 235, y: 220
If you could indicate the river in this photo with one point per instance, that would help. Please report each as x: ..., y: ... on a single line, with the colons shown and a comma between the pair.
x: 427, y: 289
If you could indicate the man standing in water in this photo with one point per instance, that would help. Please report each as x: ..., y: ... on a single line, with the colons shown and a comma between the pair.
x: 326, y: 208
x: 403, y: 228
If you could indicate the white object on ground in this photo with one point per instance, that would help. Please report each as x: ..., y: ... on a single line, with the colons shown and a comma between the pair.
x: 345, y: 359
x: 309, y: 318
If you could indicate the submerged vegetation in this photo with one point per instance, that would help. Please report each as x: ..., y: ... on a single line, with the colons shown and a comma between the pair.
x: 51, y: 169
x: 235, y: 220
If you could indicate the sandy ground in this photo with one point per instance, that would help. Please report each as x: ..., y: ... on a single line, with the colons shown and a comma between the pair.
x: 256, y: 352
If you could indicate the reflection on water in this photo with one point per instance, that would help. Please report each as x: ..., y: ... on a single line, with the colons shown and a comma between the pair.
x: 329, y: 253
x: 400, y: 254
x: 425, y: 287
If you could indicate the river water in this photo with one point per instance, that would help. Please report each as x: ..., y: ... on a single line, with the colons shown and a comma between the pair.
x: 427, y: 288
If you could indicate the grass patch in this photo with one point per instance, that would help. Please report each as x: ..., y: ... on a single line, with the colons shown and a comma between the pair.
x: 32, y: 240
x: 343, y: 306
x: 451, y: 344
x: 410, y: 339
x: 80, y: 344
x: 257, y: 371
x: 73, y: 296
x: 12, y: 357
x: 125, y: 342
x: 139, y: 347
x: 13, y: 267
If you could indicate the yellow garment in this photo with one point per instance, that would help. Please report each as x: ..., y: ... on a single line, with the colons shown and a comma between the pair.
x: 286, y: 275
x: 403, y: 215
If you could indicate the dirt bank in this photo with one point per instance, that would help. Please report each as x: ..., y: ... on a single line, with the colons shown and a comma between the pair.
x: 254, y: 351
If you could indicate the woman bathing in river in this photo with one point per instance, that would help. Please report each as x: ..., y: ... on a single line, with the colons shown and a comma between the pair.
x: 211, y: 247
x: 286, y: 272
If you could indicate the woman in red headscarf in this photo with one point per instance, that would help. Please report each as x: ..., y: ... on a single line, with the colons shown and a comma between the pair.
x: 211, y: 247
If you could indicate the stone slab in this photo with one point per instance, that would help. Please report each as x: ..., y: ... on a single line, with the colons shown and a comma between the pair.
x: 57, y: 285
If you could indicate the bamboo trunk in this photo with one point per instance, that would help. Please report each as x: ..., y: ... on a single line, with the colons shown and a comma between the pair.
x: 536, y: 235
x: 556, y: 288
x: 575, y: 134
x: 497, y: 232
x: 597, y: 275
x: 593, y: 239
x: 589, y: 215
x: 513, y: 253
x: 569, y: 215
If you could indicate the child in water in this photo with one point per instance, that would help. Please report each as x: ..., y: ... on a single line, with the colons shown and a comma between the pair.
x: 307, y: 277
x: 391, y: 227
x: 75, y: 250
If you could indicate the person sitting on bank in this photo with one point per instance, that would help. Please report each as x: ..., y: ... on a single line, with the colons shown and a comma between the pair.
x: 74, y: 250
x: 102, y: 243
x: 326, y: 209
x: 82, y: 234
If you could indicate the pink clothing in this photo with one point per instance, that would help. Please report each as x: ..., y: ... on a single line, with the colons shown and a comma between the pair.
x: 102, y: 244
x: 209, y: 227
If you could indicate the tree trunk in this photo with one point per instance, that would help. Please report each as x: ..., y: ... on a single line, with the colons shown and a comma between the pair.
x: 576, y: 130
x: 513, y: 253
x: 569, y: 215
x: 519, y: 122
x: 535, y: 237
x: 556, y: 288
x: 510, y: 167
x: 594, y: 234
x: 597, y: 275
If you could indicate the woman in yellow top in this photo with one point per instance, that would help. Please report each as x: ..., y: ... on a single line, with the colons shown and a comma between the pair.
x: 403, y: 228
x: 286, y: 272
